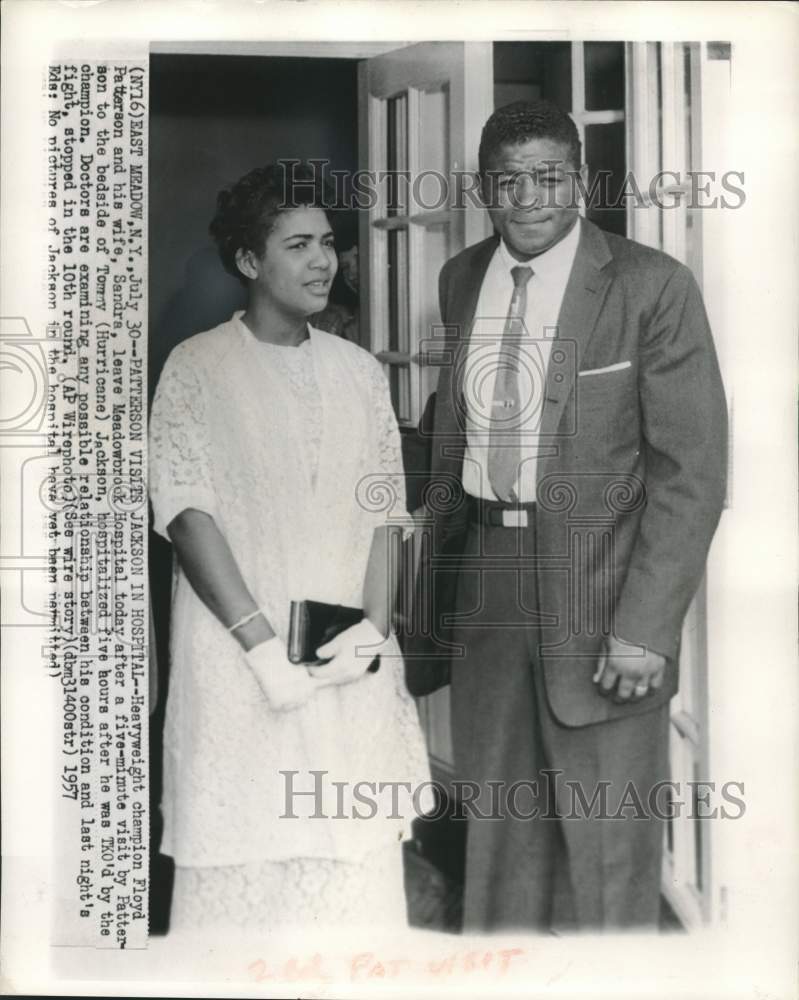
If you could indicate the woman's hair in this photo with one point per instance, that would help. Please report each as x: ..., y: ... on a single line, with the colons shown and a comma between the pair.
x: 247, y: 212
x: 523, y: 120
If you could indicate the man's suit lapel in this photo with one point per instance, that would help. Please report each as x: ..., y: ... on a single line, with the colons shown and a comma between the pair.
x: 585, y: 292
x: 449, y: 441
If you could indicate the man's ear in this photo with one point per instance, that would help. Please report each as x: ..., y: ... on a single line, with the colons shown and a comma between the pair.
x: 246, y: 263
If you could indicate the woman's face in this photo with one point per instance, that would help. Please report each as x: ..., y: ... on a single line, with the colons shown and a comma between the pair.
x: 299, y: 263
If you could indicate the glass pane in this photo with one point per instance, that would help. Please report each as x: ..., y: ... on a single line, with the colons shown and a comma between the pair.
x: 686, y: 82
x: 670, y: 820
x: 396, y: 153
x: 399, y: 380
x: 690, y: 660
x: 526, y: 71
x: 698, y: 828
x: 398, y: 326
x: 605, y: 155
x: 397, y: 290
x: 394, y: 385
x: 404, y: 412
x: 430, y: 192
x: 439, y: 733
x: 436, y: 250
x: 675, y: 775
x: 693, y: 216
x: 604, y: 76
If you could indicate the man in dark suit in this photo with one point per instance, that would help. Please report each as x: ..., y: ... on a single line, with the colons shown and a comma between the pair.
x: 577, y: 477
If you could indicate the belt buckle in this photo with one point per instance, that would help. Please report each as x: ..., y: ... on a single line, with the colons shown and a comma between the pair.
x: 514, y: 518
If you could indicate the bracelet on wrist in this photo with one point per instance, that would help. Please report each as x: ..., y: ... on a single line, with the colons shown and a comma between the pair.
x: 244, y: 620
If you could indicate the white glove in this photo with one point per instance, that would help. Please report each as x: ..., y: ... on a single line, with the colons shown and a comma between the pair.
x: 285, y: 684
x: 352, y: 651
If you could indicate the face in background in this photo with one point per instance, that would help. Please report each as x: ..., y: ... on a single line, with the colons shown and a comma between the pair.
x: 348, y: 262
x: 295, y: 272
x: 531, y: 195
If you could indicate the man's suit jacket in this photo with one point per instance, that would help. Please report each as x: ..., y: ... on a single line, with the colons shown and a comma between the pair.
x: 631, y: 484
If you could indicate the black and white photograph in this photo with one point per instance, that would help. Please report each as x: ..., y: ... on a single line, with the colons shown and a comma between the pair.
x: 399, y: 459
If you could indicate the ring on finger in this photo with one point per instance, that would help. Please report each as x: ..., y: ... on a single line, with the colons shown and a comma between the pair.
x: 641, y: 690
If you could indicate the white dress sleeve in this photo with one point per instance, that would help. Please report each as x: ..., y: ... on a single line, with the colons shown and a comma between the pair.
x: 179, y: 444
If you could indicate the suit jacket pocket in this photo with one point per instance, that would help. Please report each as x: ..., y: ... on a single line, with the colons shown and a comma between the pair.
x: 607, y: 403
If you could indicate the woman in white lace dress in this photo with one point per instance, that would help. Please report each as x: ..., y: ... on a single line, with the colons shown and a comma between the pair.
x: 274, y: 454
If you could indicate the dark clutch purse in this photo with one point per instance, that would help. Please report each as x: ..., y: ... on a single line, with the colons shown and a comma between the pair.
x: 313, y: 623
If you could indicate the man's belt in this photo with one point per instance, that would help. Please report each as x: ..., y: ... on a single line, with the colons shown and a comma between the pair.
x: 497, y: 514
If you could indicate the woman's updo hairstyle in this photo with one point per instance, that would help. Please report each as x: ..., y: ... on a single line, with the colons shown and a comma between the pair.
x: 246, y: 213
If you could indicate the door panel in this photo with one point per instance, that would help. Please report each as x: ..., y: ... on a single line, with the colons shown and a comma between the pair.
x: 665, y: 95
x: 422, y: 109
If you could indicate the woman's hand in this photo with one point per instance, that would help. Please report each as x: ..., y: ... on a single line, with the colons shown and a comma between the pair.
x: 352, y: 651
x: 286, y: 685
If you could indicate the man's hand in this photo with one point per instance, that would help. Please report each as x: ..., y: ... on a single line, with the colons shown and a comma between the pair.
x: 636, y: 676
x: 352, y: 651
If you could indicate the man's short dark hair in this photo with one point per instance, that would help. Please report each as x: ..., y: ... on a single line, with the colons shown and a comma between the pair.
x: 523, y: 120
x: 247, y: 212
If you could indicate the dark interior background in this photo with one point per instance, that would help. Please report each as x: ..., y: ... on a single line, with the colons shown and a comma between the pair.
x: 212, y: 119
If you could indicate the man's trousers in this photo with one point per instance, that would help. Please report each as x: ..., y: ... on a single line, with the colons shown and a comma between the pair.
x: 557, y: 839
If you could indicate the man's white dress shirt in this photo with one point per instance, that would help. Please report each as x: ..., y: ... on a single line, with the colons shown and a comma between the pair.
x: 545, y: 290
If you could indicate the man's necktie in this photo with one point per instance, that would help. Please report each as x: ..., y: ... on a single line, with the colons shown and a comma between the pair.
x: 504, y: 445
